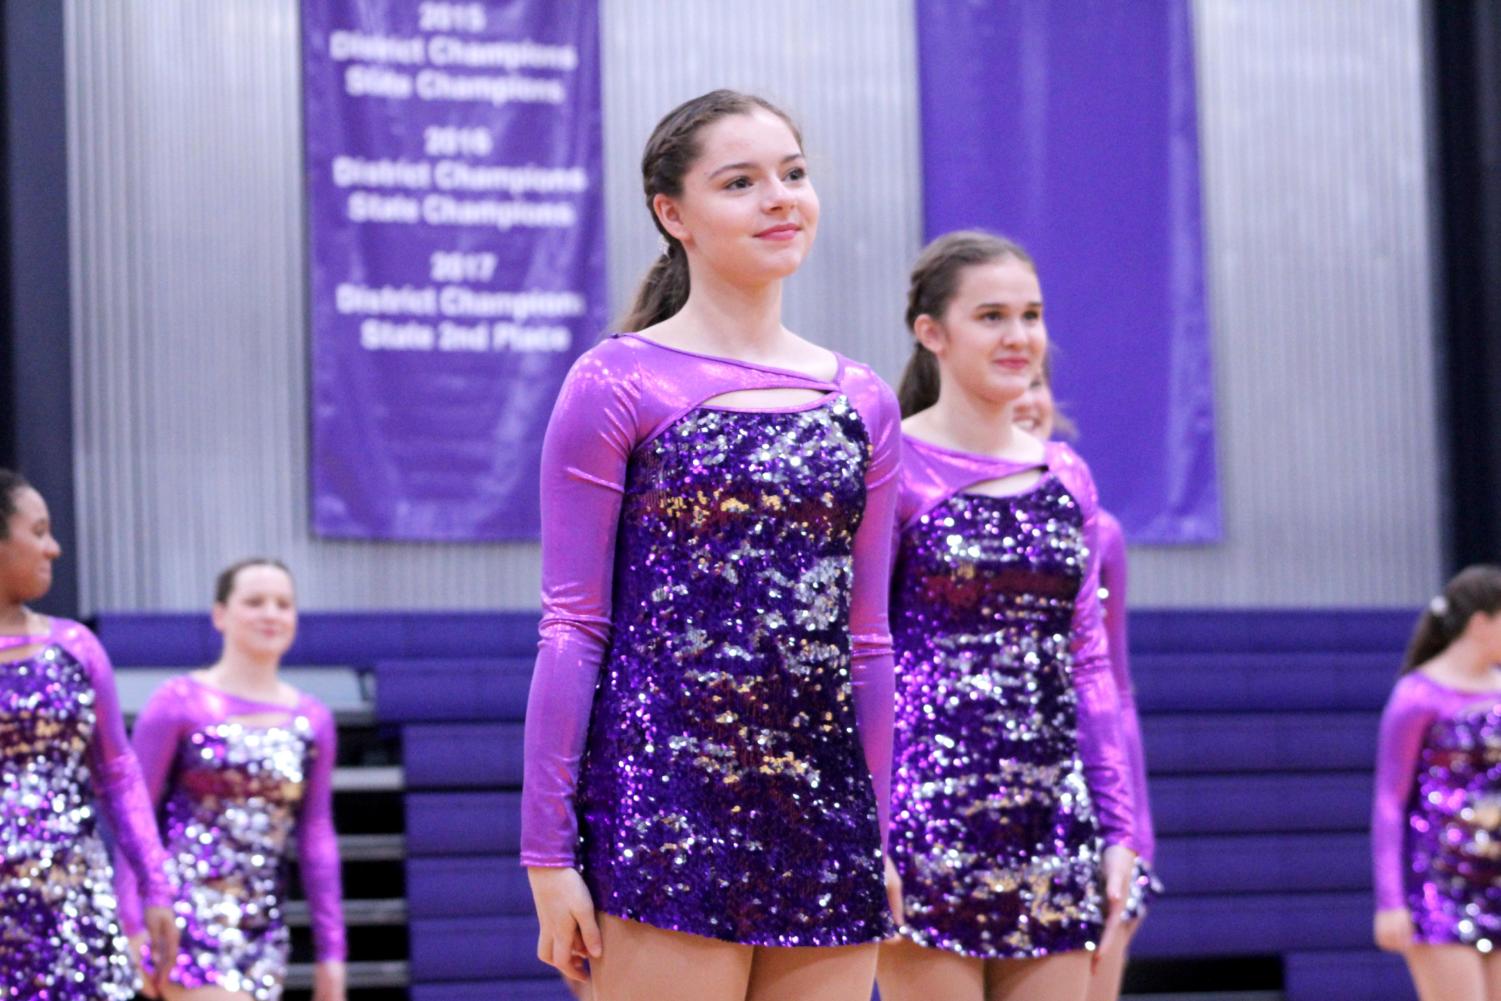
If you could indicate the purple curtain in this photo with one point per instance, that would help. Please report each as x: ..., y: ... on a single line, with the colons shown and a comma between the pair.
x: 1071, y: 127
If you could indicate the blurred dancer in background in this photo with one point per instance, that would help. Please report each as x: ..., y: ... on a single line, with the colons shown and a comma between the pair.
x: 1436, y: 819
x: 1037, y: 413
x: 242, y: 764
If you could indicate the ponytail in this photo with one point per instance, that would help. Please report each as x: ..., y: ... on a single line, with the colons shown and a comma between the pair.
x: 918, y: 389
x: 1475, y: 589
x: 662, y: 292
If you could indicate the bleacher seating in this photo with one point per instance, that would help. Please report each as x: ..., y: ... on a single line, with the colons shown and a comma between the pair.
x: 1260, y: 730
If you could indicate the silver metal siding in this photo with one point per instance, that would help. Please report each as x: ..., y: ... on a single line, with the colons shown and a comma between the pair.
x: 190, y: 347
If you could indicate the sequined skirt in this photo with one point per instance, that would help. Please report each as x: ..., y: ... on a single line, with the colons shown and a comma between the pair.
x: 993, y: 828
x: 60, y: 938
x: 1454, y: 885
x: 733, y: 805
x: 234, y: 935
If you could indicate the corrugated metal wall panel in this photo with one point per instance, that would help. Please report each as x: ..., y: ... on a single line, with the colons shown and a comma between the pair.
x: 1312, y: 126
x: 188, y: 283
x: 185, y: 133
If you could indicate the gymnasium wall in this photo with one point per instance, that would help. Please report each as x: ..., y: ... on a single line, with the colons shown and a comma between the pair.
x: 190, y: 356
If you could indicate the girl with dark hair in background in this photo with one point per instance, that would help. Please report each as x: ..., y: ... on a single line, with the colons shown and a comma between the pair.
x: 708, y: 732
x: 242, y: 764
x: 1037, y: 413
x: 1008, y: 763
x: 62, y: 751
x: 1436, y: 819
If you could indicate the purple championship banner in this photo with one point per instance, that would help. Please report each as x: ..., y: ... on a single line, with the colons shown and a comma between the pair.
x: 1071, y: 127
x: 456, y: 250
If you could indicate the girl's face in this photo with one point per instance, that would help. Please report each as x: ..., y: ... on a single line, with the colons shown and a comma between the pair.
x: 748, y: 210
x: 1486, y: 629
x: 260, y: 616
x: 1033, y: 411
x: 991, y: 338
x: 27, y: 551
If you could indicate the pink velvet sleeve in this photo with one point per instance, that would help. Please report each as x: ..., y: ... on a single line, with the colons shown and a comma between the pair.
x: 871, y: 668
x: 318, y: 844
x: 584, y: 457
x: 1113, y: 585
x: 1101, y: 741
x: 1409, y: 713
x: 155, y: 738
x: 117, y: 774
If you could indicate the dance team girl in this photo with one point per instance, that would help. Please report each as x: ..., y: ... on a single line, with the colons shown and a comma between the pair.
x: 63, y: 753
x: 1010, y: 771
x: 1037, y: 414
x: 1436, y: 818
x: 240, y: 765
x: 708, y: 732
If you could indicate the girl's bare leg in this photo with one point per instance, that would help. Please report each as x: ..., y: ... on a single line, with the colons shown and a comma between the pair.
x: 1064, y: 977
x: 1492, y: 964
x: 1447, y: 972
x: 177, y: 992
x: 911, y: 972
x: 642, y: 963
x: 830, y: 973
x: 1105, y: 981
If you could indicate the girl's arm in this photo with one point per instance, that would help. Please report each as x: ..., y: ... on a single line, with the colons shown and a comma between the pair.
x: 318, y: 845
x: 1101, y: 743
x: 157, y: 732
x: 870, y: 631
x: 1404, y: 723
x: 584, y: 457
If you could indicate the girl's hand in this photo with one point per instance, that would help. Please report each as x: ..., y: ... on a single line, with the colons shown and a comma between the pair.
x: 328, y: 981
x: 161, y: 930
x: 1393, y: 929
x: 894, y: 893
x: 568, y: 933
x: 1119, y: 866
x: 136, y: 943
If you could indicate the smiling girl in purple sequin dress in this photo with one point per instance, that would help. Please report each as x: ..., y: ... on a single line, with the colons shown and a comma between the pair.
x: 242, y: 765
x: 63, y: 756
x: 708, y: 733
x: 1436, y: 819
x: 1009, y: 767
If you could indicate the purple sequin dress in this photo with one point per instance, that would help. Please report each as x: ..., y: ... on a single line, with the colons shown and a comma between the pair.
x: 241, y: 783
x: 62, y: 753
x: 1008, y: 759
x: 732, y: 769
x: 1436, y: 822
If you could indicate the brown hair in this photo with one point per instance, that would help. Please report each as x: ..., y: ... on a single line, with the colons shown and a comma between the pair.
x: 1063, y: 425
x: 1474, y: 589
x: 671, y: 149
x: 934, y: 283
x: 224, y: 584
x: 11, y: 483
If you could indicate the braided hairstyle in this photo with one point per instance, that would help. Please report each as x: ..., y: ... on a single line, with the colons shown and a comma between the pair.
x: 670, y: 151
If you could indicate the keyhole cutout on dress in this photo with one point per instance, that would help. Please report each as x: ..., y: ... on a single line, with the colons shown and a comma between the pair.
x: 791, y: 397
x: 261, y: 720
x: 1010, y: 485
x: 16, y: 654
